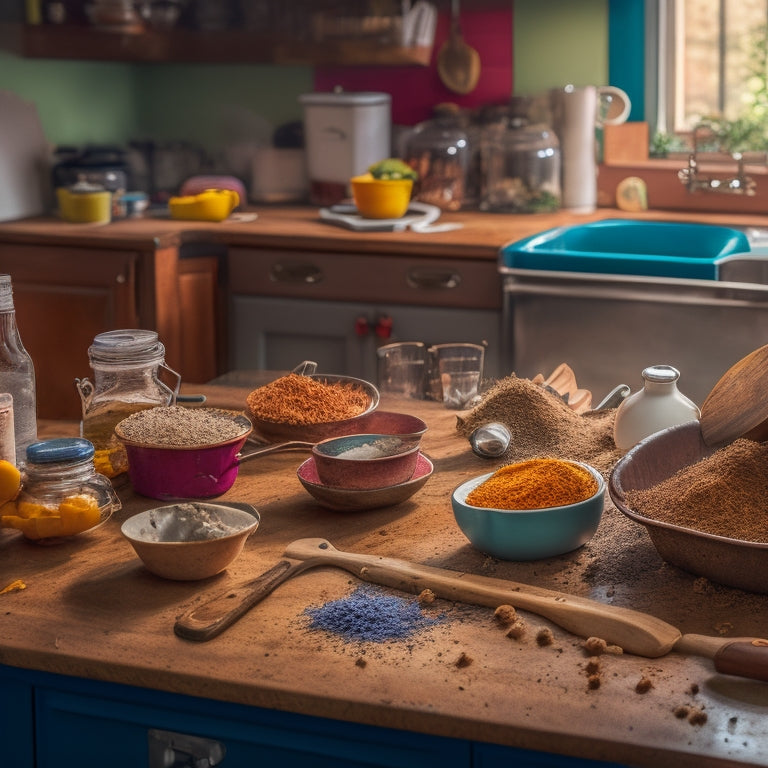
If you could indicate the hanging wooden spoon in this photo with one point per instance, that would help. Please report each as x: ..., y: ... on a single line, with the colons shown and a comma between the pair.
x: 737, y: 406
x: 458, y: 64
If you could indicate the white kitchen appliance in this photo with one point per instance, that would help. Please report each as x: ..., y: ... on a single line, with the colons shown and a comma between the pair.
x: 344, y: 132
x: 24, y: 160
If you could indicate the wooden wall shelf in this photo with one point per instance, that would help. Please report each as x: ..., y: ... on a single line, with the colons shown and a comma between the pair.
x: 182, y: 45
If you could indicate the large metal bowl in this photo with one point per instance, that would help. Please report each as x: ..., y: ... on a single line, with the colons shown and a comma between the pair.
x: 733, y: 562
x: 278, y: 432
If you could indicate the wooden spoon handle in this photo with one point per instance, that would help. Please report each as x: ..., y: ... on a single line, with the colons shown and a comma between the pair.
x: 635, y: 632
x: 742, y: 656
x: 206, y: 621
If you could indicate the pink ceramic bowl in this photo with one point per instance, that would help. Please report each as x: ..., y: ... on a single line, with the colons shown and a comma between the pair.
x: 361, y: 462
x: 349, y: 500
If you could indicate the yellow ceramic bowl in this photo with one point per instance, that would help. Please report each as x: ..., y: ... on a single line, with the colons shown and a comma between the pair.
x: 381, y: 198
x: 209, y: 205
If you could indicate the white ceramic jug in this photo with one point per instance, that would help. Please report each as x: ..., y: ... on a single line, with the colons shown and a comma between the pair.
x: 658, y: 405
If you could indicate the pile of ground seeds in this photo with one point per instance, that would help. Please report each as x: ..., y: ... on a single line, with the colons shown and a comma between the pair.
x: 542, y: 424
x: 723, y: 494
x: 370, y: 615
x: 174, y: 425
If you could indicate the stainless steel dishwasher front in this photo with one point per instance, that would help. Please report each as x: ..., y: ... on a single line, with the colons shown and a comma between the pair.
x: 609, y: 327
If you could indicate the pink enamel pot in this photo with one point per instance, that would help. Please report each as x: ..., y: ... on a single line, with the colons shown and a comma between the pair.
x: 184, y: 472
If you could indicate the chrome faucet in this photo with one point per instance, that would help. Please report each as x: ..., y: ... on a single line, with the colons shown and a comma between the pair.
x: 695, y: 181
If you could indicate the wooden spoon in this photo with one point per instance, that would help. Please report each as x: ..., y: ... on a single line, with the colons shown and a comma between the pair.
x: 635, y: 632
x: 458, y: 64
x: 737, y: 406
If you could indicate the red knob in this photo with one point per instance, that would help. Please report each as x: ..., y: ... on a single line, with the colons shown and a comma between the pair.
x: 362, y: 326
x: 384, y: 327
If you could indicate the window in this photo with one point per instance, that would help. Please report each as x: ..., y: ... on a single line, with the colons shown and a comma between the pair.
x: 710, y: 64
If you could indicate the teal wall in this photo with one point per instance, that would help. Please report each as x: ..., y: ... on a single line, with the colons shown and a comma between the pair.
x: 554, y: 42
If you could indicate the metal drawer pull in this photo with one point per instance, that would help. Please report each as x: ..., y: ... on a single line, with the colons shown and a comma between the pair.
x: 178, y: 750
x: 295, y: 273
x: 432, y: 278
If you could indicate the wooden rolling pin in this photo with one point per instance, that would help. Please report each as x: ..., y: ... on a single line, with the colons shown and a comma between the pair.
x: 635, y: 632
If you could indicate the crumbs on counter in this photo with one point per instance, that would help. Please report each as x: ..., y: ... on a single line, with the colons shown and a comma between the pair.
x: 505, y: 615
x: 593, y: 682
x: 544, y: 637
x: 369, y: 615
x: 426, y: 597
x: 596, y: 646
x: 694, y: 715
x: 15, y: 586
x: 464, y: 660
x: 644, y: 684
x: 516, y: 629
x: 593, y: 665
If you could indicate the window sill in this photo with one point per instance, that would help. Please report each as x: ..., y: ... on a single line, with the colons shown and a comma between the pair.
x: 666, y: 191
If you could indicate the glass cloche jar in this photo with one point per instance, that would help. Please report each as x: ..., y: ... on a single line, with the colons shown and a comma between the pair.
x: 438, y: 150
x: 521, y: 164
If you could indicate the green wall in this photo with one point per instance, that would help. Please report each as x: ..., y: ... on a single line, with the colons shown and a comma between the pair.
x: 555, y: 42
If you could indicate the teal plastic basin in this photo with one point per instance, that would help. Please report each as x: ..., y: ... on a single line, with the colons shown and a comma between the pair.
x: 626, y: 247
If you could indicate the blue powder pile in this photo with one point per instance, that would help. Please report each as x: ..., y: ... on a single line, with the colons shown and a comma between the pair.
x: 368, y: 615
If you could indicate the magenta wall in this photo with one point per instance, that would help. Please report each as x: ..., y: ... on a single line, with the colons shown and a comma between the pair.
x: 415, y: 90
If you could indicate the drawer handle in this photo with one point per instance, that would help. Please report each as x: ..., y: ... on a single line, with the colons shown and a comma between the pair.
x: 432, y: 278
x: 295, y: 273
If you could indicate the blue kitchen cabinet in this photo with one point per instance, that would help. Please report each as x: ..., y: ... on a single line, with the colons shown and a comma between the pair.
x: 50, y: 721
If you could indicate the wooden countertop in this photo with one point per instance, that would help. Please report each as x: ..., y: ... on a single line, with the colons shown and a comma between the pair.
x: 300, y: 227
x: 90, y: 609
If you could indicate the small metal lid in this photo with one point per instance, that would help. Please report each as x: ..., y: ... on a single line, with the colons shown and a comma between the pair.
x: 126, y: 346
x: 661, y: 373
x: 60, y: 449
x: 340, y: 98
x: 6, y: 293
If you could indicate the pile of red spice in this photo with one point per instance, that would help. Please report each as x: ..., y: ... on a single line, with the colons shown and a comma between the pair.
x: 296, y: 399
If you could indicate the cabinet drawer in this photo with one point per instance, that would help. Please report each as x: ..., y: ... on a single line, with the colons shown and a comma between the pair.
x: 91, y: 731
x: 368, y: 278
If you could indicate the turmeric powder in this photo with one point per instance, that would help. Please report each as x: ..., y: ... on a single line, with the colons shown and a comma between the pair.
x: 534, y: 484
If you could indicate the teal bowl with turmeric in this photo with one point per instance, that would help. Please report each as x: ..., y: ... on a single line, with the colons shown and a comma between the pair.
x: 529, y: 534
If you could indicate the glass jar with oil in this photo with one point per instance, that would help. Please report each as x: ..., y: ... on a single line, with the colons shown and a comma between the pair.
x: 127, y: 365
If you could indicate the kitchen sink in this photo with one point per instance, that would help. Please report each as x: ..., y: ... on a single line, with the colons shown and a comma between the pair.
x: 627, y: 247
x: 613, y: 297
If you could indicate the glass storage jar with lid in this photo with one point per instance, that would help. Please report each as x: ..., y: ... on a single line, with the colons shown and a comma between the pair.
x: 521, y: 165
x: 439, y: 151
x: 126, y: 365
x: 61, y: 492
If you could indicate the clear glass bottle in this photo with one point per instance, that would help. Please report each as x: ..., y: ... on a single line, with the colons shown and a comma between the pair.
x: 521, y: 163
x: 658, y: 405
x: 61, y: 489
x: 439, y: 151
x: 17, y: 373
x: 126, y: 378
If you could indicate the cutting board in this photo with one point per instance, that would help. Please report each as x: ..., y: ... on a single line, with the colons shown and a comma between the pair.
x: 24, y: 160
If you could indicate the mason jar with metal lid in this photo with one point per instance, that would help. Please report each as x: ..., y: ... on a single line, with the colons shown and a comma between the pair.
x: 126, y: 378
x: 62, y: 494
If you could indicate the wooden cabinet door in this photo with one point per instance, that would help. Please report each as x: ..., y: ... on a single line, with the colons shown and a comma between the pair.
x: 64, y: 296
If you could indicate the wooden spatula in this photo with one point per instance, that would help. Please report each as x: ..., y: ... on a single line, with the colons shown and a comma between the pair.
x: 635, y: 632
x: 737, y: 406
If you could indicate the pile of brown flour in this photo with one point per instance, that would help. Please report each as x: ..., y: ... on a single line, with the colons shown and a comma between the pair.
x: 542, y: 424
